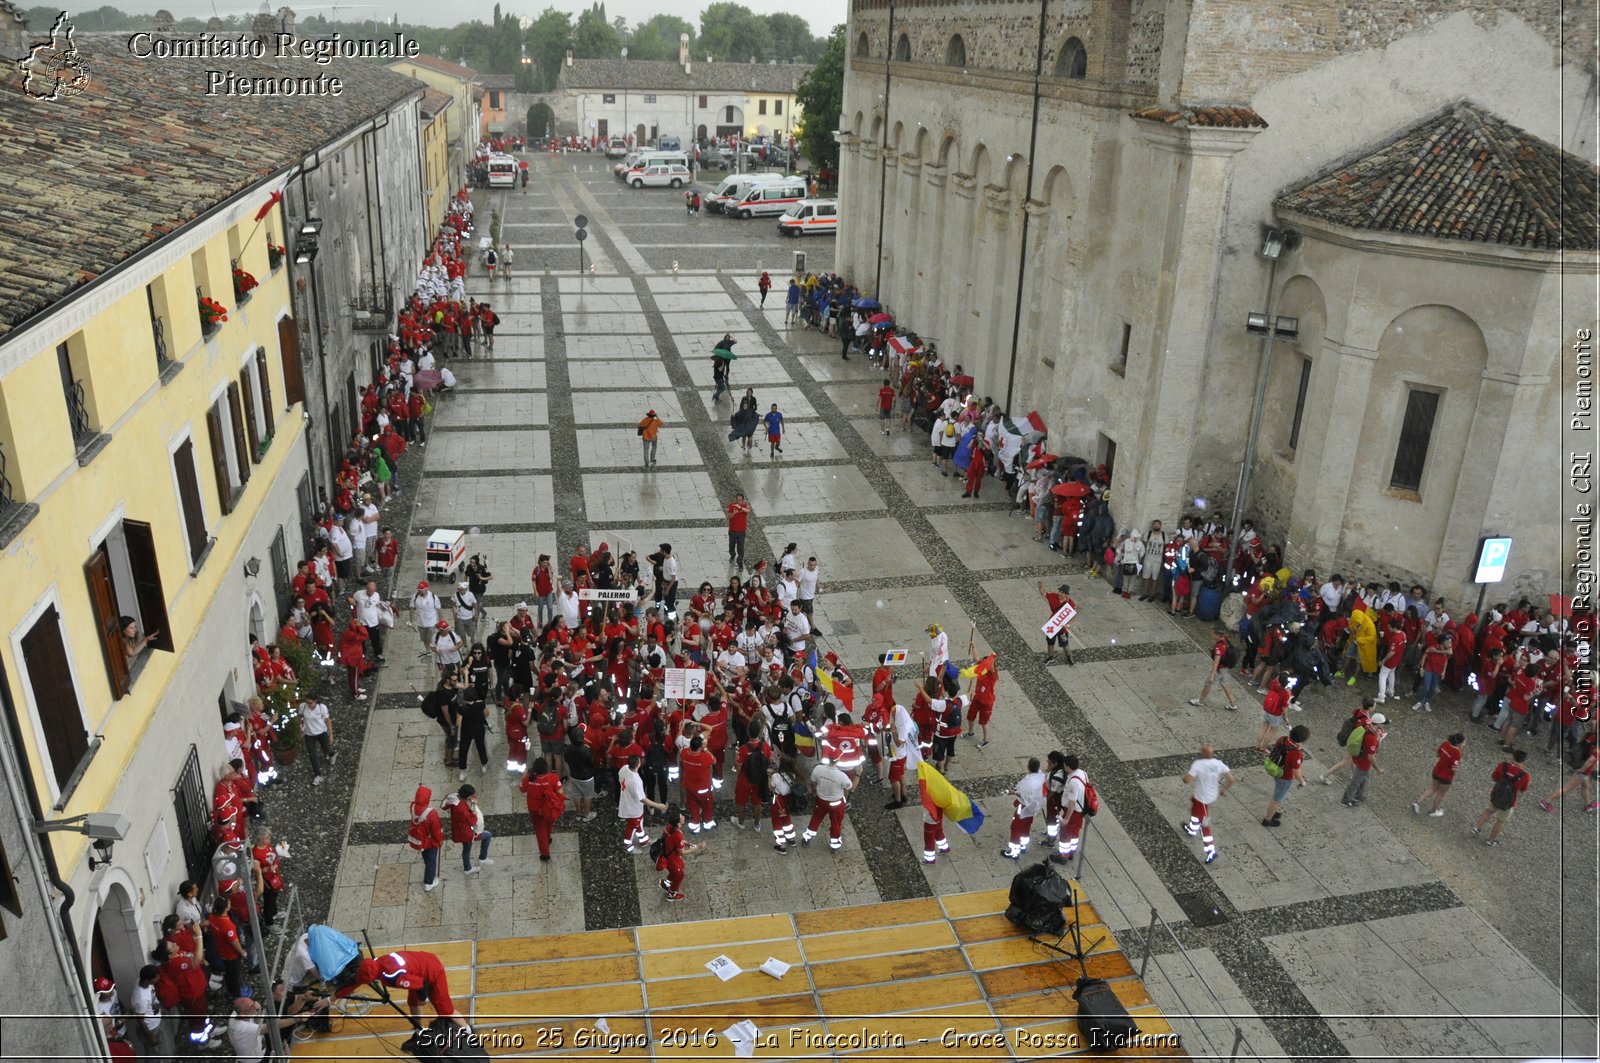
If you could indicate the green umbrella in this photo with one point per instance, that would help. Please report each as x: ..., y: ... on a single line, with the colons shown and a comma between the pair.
x: 723, y: 353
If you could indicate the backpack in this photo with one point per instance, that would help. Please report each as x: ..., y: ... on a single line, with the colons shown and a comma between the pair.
x: 1091, y: 800
x: 1504, y: 794
x: 1356, y: 739
x: 1277, y: 760
x: 658, y: 848
x: 952, y: 714
x: 1230, y: 657
x: 548, y: 722
x: 799, y: 796
x: 1344, y: 732
x: 755, y: 769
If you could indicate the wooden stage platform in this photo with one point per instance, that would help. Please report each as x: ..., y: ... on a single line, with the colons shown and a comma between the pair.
x: 941, y: 978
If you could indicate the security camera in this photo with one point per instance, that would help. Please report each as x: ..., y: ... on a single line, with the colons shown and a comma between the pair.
x: 106, y: 826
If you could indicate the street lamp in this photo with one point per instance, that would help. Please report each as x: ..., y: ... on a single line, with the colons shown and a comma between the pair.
x: 230, y: 861
x: 1274, y: 242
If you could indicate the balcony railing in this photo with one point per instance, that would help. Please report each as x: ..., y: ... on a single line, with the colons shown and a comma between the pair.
x: 158, y: 331
x: 371, y: 308
x: 7, y: 499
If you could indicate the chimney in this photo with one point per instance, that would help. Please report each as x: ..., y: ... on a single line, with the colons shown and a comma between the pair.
x: 683, y: 51
x: 569, y: 56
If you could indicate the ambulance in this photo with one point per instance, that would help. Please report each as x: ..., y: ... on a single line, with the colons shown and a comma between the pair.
x: 810, y: 217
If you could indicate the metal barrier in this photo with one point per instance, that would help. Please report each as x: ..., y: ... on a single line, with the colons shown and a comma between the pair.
x: 1085, y: 871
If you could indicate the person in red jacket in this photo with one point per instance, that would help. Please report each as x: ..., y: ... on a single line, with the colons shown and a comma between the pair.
x: 426, y: 835
x: 546, y: 801
x: 1444, y: 775
x: 181, y: 983
x: 265, y: 854
x: 1509, y: 769
x: 353, y: 655
x: 673, y: 850
x: 715, y: 723
x: 747, y: 791
x: 420, y: 974
x: 466, y: 827
x: 230, y: 948
x: 1272, y: 707
x: 695, y: 766
x: 977, y: 466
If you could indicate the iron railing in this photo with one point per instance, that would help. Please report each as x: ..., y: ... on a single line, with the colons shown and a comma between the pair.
x: 158, y: 331
x: 7, y: 499
x: 372, y: 308
x: 78, y: 413
x: 194, y: 826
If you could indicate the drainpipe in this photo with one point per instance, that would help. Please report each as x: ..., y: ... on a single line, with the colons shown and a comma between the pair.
x: 883, y: 158
x: 1022, y: 254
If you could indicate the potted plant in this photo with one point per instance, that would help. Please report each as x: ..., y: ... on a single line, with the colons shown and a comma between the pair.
x: 243, y: 282
x: 282, y: 706
x: 212, y: 314
x: 275, y: 255
x: 301, y: 659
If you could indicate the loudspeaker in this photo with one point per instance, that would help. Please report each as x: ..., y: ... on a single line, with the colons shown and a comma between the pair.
x: 443, y: 1039
x: 1103, y: 1022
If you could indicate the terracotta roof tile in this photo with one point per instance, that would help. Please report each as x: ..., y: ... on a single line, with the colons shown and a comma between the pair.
x: 645, y: 75
x: 94, y: 179
x: 443, y: 66
x: 1204, y: 116
x: 433, y: 101
x: 1463, y: 174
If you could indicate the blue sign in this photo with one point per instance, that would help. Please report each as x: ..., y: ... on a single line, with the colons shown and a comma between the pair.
x: 1493, y: 553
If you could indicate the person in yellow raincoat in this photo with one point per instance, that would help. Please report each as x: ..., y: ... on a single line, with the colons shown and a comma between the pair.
x: 1365, y: 633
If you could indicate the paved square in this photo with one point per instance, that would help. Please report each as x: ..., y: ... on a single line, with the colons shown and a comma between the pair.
x: 609, y: 375
x: 599, y: 407
x: 628, y: 498
x: 785, y: 485
x: 618, y: 448
x: 853, y: 549
x: 466, y: 409
x: 463, y: 501
x: 450, y: 452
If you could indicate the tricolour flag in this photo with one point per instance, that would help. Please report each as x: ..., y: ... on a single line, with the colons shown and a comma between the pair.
x: 272, y: 201
x: 978, y: 668
x: 837, y: 688
x: 939, y: 796
x: 894, y: 657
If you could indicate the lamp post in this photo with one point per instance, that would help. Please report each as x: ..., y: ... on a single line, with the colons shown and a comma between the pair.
x: 1274, y: 242
x: 231, y: 862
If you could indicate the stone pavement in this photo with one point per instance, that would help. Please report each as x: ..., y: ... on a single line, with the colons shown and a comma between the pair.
x: 1308, y: 934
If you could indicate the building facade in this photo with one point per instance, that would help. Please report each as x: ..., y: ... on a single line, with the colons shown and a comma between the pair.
x: 463, y: 117
x: 1070, y: 197
x: 648, y: 99
x: 438, y: 183
x: 494, y: 116
x: 155, y: 474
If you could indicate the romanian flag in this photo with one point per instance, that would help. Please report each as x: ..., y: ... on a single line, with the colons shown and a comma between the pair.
x: 939, y: 796
x: 834, y: 687
x: 805, y: 742
x: 978, y: 668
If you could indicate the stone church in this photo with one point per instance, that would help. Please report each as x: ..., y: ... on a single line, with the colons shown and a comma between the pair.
x: 1085, y: 201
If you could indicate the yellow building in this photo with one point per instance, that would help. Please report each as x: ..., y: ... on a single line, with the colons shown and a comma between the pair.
x: 460, y: 83
x: 154, y: 469
x: 437, y: 180
x: 773, y: 109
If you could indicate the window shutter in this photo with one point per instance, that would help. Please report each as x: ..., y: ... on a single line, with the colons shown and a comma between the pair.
x: 141, y: 540
x: 249, y: 401
x: 219, y: 460
x: 266, y: 389
x: 194, y: 519
x: 294, y: 384
x: 50, y: 676
x: 238, y: 433
x: 103, y: 600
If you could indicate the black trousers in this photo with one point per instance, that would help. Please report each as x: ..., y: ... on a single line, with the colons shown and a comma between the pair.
x: 471, y: 737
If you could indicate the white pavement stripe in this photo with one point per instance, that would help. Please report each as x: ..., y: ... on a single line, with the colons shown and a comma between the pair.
x: 595, y: 253
x: 600, y: 218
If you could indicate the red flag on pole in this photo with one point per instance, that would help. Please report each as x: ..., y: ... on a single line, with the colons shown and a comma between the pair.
x: 266, y: 208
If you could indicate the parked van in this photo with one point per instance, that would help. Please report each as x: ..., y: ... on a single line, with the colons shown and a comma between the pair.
x: 502, y: 171
x: 769, y: 199
x: 659, y: 172
x: 629, y: 161
x: 810, y: 216
x: 653, y: 156
x: 669, y: 144
x: 616, y: 147
x: 733, y: 188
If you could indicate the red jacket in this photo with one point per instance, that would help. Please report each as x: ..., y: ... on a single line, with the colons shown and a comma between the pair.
x: 426, y: 831
x: 352, y: 646
x: 463, y: 820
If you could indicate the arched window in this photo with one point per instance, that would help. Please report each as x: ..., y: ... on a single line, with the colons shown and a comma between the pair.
x: 863, y: 49
x: 1073, y: 62
x: 902, y: 49
x: 955, y: 53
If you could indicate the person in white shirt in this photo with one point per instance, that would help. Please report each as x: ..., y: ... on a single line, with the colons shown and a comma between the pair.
x: 357, y: 529
x: 425, y: 361
x: 666, y: 596
x: 369, y: 514
x: 1029, y: 799
x: 150, y: 1033
x: 1209, y: 779
x: 339, y: 543
x: 447, y: 647
x: 750, y: 640
x: 1332, y: 594
x: 829, y: 784
x: 466, y: 608
x: 369, y: 613
x: 567, y: 603
x: 317, y: 727
x: 631, y: 803
x: 788, y: 562
x: 796, y: 628
x: 247, y: 1034
x: 809, y: 579
x: 907, y: 754
x: 425, y: 614
x: 1072, y: 798
x: 938, y: 650
x: 787, y: 590
x: 730, y: 664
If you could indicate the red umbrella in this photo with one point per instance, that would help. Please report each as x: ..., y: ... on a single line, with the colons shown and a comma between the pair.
x: 1071, y: 489
x: 961, y: 380
x: 1042, y: 460
x: 1561, y: 605
x: 426, y: 380
x: 880, y: 318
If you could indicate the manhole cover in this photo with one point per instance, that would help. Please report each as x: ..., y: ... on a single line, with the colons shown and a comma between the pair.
x: 1200, y: 909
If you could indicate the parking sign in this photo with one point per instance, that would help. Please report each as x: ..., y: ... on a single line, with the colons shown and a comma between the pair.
x: 1493, y: 553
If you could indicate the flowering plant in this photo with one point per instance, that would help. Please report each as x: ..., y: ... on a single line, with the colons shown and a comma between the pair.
x: 212, y: 313
x: 275, y: 255
x: 242, y: 283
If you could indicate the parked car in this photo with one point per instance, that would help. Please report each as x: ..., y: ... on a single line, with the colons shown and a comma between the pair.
x: 715, y: 159
x: 659, y: 172
x: 810, y: 217
x: 669, y: 144
x: 616, y: 148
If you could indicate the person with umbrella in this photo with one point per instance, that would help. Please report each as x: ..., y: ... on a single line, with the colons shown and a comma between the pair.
x: 722, y: 357
x: 744, y: 422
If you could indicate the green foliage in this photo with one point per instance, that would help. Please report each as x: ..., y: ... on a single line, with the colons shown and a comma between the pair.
x: 732, y: 33
x: 549, y: 37
x: 595, y: 38
x: 658, y: 38
x: 821, y: 98
x: 792, y: 41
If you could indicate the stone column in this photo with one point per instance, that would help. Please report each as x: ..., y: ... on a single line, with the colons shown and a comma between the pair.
x: 1322, y: 487
x: 866, y: 242
x: 890, y: 182
x: 1174, y: 365
x: 906, y: 207
x: 1039, y: 287
x: 924, y: 310
x: 962, y: 251
x: 997, y: 307
x: 849, y: 206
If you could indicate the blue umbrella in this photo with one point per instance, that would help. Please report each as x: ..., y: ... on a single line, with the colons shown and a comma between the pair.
x: 330, y: 950
x: 868, y: 304
x: 963, y: 455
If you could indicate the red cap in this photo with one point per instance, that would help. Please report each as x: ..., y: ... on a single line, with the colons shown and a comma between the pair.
x: 104, y: 985
x: 422, y: 586
x: 444, y: 625
x: 831, y: 657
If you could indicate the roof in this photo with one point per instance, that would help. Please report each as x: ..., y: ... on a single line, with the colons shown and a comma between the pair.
x: 1203, y: 116
x: 498, y: 82
x: 665, y: 75
x: 95, y: 178
x: 1462, y: 174
x: 434, y: 101
x: 443, y: 66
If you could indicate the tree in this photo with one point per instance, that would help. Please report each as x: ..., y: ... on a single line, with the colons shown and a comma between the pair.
x: 548, y: 40
x: 658, y: 38
x: 791, y: 39
x: 733, y: 33
x: 821, y: 99
x: 595, y: 38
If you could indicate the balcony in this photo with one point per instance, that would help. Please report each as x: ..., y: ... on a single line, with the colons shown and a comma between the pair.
x: 14, y: 515
x: 165, y: 365
x: 85, y: 439
x: 371, y: 309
